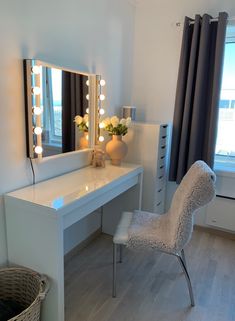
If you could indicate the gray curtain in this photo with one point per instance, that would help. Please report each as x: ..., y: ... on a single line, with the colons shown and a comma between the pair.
x: 197, y: 93
x: 74, y: 102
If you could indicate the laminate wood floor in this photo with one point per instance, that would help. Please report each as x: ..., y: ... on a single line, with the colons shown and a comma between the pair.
x: 151, y: 285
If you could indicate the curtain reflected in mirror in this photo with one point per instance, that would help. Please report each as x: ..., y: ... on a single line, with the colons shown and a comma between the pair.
x: 75, y: 103
x: 64, y: 96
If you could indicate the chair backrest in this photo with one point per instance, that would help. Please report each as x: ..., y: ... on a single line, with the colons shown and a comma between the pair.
x: 195, y: 190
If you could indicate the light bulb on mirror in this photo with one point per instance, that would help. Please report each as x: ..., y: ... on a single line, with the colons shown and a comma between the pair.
x: 38, y: 149
x: 101, y: 97
x: 36, y: 70
x: 87, y: 137
x: 101, y: 125
x: 37, y: 130
x: 87, y: 83
x: 87, y: 124
x: 87, y: 96
x: 36, y: 90
x: 101, y: 111
x: 102, y: 82
x: 37, y: 110
x: 87, y: 110
x: 101, y: 139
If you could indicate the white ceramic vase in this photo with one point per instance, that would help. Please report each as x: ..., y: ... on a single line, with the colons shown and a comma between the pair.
x: 83, y: 141
x: 116, y: 149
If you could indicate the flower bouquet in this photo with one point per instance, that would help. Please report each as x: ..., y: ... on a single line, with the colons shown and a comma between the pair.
x: 82, y: 122
x: 114, y: 126
x: 116, y: 148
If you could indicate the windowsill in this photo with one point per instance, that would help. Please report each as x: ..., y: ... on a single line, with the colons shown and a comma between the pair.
x: 53, y: 145
x: 225, y: 166
x: 224, y: 170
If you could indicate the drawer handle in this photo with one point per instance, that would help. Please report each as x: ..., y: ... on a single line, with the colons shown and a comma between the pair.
x: 160, y: 177
x: 163, y: 147
x: 164, y: 137
x: 161, y: 167
x: 159, y: 191
x: 162, y: 157
x: 158, y: 203
x: 165, y: 126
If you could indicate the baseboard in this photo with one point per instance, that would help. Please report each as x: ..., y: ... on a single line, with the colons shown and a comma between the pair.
x: 211, y: 230
x: 68, y: 256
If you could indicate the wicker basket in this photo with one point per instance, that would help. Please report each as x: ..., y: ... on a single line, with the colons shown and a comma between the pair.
x: 26, y: 287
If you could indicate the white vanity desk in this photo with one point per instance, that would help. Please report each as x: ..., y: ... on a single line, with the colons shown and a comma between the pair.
x: 37, y: 215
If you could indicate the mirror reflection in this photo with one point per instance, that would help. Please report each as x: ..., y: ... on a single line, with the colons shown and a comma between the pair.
x: 64, y: 97
x: 60, y: 101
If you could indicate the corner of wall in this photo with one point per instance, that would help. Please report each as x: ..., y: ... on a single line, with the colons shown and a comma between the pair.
x: 3, y: 247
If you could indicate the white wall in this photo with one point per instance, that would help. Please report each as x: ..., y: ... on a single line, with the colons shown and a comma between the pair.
x: 94, y: 36
x: 157, y: 50
x: 156, y: 59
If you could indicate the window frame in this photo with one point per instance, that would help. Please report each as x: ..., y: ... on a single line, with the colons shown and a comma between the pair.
x: 54, y: 140
x: 223, y: 163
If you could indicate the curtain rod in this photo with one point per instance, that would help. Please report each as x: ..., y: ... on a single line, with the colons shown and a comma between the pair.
x: 178, y: 24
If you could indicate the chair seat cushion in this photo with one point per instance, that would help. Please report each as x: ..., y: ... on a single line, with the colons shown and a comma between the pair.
x: 121, y: 235
x: 142, y: 229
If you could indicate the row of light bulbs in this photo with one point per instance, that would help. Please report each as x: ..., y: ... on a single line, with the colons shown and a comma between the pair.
x: 101, y: 110
x: 35, y: 70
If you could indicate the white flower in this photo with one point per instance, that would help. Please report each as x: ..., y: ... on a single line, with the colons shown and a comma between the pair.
x: 123, y: 121
x: 128, y: 121
x: 114, y: 121
x: 78, y: 119
x: 86, y: 118
x: 106, y: 122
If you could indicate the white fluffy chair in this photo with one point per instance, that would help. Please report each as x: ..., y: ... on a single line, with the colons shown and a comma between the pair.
x: 170, y: 232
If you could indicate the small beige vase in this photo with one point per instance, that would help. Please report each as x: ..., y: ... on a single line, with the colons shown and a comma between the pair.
x: 116, y: 149
x: 83, y: 141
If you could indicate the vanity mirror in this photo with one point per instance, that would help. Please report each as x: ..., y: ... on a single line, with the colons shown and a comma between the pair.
x: 54, y: 97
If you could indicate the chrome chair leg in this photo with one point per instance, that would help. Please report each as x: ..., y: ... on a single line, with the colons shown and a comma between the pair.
x: 114, y: 269
x: 183, y: 257
x: 120, y: 253
x: 190, y: 289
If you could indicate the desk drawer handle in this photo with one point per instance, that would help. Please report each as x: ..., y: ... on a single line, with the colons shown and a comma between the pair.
x: 159, y: 191
x: 158, y: 203
x: 163, y: 147
x: 161, y: 167
x: 162, y: 157
x: 165, y: 126
x: 160, y: 177
x: 163, y: 137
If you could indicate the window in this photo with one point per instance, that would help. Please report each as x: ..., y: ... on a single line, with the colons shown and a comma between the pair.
x: 52, y: 102
x: 225, y: 144
x: 56, y: 111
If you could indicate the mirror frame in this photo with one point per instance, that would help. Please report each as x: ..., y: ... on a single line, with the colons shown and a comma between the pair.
x: 32, y: 80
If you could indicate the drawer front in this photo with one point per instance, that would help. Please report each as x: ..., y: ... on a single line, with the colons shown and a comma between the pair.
x: 160, y: 181
x: 161, y: 163
x: 163, y: 130
x: 159, y: 207
x: 162, y: 151
x: 162, y: 140
x: 160, y: 195
x: 161, y: 172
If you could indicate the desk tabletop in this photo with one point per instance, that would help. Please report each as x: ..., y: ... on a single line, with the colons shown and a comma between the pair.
x: 60, y: 191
